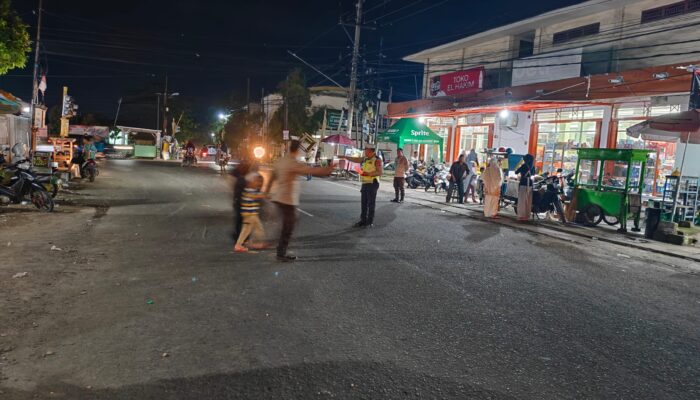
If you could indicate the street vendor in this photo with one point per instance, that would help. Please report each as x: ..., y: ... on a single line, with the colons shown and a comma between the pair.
x: 369, y: 177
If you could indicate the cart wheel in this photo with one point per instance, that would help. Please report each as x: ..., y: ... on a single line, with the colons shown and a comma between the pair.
x: 611, y: 220
x: 592, y: 215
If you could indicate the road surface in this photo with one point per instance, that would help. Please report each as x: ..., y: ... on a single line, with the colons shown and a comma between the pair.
x: 141, y: 298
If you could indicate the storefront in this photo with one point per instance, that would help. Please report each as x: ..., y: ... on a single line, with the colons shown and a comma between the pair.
x: 664, y: 155
x: 557, y: 134
x: 443, y: 128
x: 474, y: 131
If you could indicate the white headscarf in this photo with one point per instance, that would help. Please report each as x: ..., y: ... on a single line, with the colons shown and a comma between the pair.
x: 492, y: 177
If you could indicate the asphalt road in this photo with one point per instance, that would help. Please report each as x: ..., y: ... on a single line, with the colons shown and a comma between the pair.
x: 143, y: 299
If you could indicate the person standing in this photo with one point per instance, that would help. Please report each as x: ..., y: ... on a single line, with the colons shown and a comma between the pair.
x: 458, y: 171
x: 526, y: 170
x: 400, y: 176
x: 472, y: 157
x: 492, y: 179
x: 470, y: 182
x: 369, y: 176
x: 285, y: 190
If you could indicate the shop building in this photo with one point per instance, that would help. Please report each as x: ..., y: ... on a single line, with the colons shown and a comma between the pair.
x: 572, y: 78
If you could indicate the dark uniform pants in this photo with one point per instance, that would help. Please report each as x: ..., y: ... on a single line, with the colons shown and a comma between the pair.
x: 289, y: 220
x: 369, y: 200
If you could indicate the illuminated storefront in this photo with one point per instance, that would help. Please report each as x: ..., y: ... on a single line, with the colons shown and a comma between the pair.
x: 664, y: 155
x: 558, y: 133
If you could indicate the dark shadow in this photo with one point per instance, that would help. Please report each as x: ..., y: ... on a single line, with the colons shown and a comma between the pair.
x: 329, y: 380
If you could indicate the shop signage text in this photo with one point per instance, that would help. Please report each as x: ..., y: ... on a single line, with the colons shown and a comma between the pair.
x: 419, y: 133
x: 461, y: 82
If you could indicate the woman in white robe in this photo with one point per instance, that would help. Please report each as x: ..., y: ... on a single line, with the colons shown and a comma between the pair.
x: 493, y: 179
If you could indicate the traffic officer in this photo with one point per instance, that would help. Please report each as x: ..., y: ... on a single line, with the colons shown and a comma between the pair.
x: 369, y: 177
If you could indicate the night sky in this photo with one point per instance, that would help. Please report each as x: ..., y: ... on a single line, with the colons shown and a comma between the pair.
x: 104, y: 50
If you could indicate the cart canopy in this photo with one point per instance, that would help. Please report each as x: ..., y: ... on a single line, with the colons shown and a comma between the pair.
x: 614, y: 154
x: 410, y: 131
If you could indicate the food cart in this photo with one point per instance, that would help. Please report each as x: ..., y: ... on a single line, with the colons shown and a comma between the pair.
x: 608, y: 186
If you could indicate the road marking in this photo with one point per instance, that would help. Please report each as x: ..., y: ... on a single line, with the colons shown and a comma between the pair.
x: 304, y: 212
x: 177, y: 211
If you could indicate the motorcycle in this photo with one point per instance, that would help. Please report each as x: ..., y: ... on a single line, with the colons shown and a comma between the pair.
x: 23, y: 183
x: 432, y: 177
x: 416, y: 179
x: 546, y: 192
x: 89, y: 170
x: 189, y: 159
x: 222, y: 161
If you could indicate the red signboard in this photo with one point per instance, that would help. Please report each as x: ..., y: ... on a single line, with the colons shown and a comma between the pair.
x: 454, y: 83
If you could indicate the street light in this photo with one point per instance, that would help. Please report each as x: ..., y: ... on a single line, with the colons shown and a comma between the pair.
x: 222, y: 116
x: 213, y: 134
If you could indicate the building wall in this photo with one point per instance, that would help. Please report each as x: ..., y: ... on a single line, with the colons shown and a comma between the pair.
x: 517, y: 137
x: 623, y: 43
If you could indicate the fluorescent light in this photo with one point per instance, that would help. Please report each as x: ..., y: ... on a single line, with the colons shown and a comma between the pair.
x: 617, y: 81
x: 26, y: 109
x: 660, y: 75
x: 123, y: 147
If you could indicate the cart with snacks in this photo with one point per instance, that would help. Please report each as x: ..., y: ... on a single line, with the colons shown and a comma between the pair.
x: 62, y: 152
x: 608, y: 186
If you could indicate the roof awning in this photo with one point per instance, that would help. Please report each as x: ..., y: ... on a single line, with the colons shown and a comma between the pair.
x: 676, y: 127
x: 409, y: 131
x: 9, y: 104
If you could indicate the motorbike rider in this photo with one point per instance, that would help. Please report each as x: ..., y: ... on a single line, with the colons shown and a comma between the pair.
x: 88, y: 153
x: 189, y: 149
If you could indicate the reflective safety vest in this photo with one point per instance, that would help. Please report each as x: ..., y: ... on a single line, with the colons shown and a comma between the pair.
x: 368, y: 166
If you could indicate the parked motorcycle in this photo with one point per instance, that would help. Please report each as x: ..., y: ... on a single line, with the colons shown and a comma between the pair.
x: 416, y: 179
x: 432, y: 177
x: 22, y: 184
x: 546, y: 194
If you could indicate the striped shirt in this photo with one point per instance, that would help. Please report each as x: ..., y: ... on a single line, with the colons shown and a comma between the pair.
x: 250, y: 201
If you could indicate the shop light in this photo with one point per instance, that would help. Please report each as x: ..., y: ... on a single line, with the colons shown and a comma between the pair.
x: 617, y: 81
x: 421, y: 120
x: 123, y: 147
x: 26, y: 109
x: 504, y: 113
x: 660, y: 76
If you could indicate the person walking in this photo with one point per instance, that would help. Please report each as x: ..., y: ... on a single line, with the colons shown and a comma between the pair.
x: 458, y: 171
x: 285, y: 191
x: 250, y: 211
x: 369, y: 176
x: 400, y: 169
x: 492, y: 179
x: 526, y: 170
x: 239, y: 185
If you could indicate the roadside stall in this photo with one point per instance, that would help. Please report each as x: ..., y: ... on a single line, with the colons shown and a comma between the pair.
x: 608, y: 186
x: 146, y: 142
x: 410, y: 131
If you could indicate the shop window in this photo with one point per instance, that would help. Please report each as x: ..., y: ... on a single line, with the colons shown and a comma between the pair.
x: 588, y: 172
x: 473, y: 137
x: 631, y: 112
x: 661, y: 110
x: 557, y: 144
x: 569, y: 114
x: 488, y: 119
x: 614, y: 174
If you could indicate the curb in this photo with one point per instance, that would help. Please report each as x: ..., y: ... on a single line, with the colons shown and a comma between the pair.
x: 510, y: 222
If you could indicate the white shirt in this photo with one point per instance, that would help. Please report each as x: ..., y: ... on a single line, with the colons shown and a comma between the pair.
x: 285, y: 189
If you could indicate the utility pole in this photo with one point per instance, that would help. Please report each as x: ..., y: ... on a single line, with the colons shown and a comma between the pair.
x: 353, y: 71
x: 165, y: 107
x: 35, y: 83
